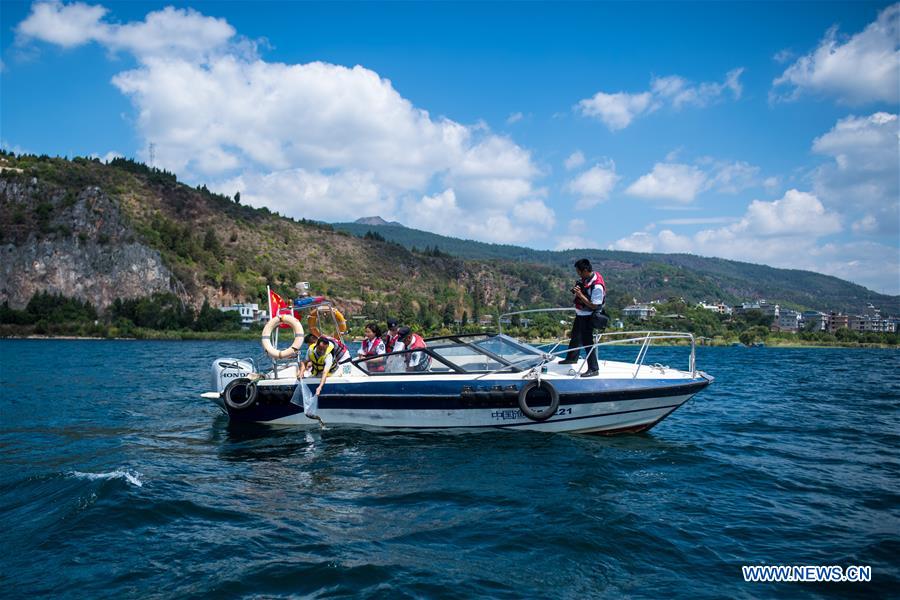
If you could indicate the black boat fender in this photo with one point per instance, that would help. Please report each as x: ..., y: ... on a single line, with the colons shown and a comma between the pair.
x: 532, y: 386
x: 240, y: 393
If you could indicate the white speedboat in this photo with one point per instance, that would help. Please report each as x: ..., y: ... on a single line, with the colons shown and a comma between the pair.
x: 472, y: 381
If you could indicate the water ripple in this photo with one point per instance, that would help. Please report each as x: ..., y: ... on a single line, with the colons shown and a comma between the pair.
x: 123, y: 483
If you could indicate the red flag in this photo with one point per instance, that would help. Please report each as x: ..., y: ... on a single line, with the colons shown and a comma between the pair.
x: 279, y: 306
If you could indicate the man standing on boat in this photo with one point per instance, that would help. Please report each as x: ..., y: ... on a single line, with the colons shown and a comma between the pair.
x: 590, y: 293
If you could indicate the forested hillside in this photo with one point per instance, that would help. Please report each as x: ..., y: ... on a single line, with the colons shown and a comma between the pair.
x: 112, y: 234
x: 647, y: 276
x: 99, y: 232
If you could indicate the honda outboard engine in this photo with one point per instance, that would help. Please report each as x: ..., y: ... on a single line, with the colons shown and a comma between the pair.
x: 226, y: 370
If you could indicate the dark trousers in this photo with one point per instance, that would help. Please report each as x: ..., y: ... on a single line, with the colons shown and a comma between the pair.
x: 583, y: 335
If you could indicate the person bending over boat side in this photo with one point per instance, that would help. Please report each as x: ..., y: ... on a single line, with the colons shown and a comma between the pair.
x: 372, y: 345
x: 589, y: 294
x: 415, y: 361
x: 322, y: 358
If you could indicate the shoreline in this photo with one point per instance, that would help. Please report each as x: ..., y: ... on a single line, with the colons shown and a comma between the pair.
x: 245, y: 337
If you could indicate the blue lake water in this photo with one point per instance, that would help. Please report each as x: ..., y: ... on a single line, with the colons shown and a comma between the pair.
x: 117, y: 480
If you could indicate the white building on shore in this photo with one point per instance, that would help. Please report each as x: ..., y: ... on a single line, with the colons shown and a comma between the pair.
x: 813, y: 320
x: 639, y: 311
x: 718, y: 307
x: 250, y: 313
x: 788, y: 320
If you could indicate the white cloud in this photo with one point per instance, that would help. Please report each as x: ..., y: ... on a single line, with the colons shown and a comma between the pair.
x: 868, y: 224
x: 795, y: 214
x: 864, y: 173
x: 108, y: 156
x: 344, y: 196
x: 784, y: 233
x: 308, y: 140
x: 697, y: 221
x: 443, y: 213
x: 494, y: 172
x: 670, y: 181
x: 171, y: 32
x: 618, y: 110
x: 871, y: 264
x: 64, y: 25
x: 673, y: 155
x: 682, y: 182
x: 575, y: 238
x: 575, y: 160
x: 168, y: 33
x: 680, y: 92
x: 577, y: 225
x: 594, y: 185
x: 514, y: 118
x: 14, y: 148
x: 732, y: 178
x: 765, y: 231
x: 862, y: 144
x: 639, y: 241
x: 784, y: 55
x: 863, y: 69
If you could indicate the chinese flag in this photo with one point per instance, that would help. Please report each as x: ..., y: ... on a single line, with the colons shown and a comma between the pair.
x: 279, y: 306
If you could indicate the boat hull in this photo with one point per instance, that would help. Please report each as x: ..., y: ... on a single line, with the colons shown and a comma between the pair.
x: 594, y: 405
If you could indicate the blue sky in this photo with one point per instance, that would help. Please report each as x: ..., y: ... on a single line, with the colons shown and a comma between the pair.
x: 763, y: 132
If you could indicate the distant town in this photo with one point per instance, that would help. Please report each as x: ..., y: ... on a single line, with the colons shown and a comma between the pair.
x: 785, y: 319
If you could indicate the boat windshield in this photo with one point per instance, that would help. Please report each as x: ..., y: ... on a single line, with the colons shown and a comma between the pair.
x: 474, y: 353
x: 509, y: 349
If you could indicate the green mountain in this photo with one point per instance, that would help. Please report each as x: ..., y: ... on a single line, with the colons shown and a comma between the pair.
x: 647, y: 276
x: 101, y: 232
x: 98, y: 233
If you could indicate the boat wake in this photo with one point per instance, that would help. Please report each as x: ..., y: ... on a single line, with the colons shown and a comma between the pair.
x: 132, y: 477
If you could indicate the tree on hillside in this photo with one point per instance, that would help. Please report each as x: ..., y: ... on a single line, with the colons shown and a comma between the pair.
x: 449, y: 315
x: 754, y: 334
x: 212, y: 319
x: 756, y: 318
x: 211, y: 242
x: 56, y: 307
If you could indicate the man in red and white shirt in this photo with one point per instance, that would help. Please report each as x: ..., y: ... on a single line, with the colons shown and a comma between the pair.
x: 589, y: 294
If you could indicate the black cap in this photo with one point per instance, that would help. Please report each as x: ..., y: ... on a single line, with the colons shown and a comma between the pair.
x: 403, y: 332
x: 391, y: 323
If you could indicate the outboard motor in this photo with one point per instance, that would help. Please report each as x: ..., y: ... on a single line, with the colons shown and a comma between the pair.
x: 226, y: 370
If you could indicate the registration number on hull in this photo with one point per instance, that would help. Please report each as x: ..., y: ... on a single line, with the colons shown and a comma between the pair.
x: 511, y: 414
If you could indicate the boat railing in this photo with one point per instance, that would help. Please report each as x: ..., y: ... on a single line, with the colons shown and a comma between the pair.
x: 644, y: 338
x: 613, y: 338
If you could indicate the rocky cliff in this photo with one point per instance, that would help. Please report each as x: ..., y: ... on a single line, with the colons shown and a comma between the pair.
x: 75, y: 244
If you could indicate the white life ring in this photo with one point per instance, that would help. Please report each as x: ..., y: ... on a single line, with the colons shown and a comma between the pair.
x: 266, y: 339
